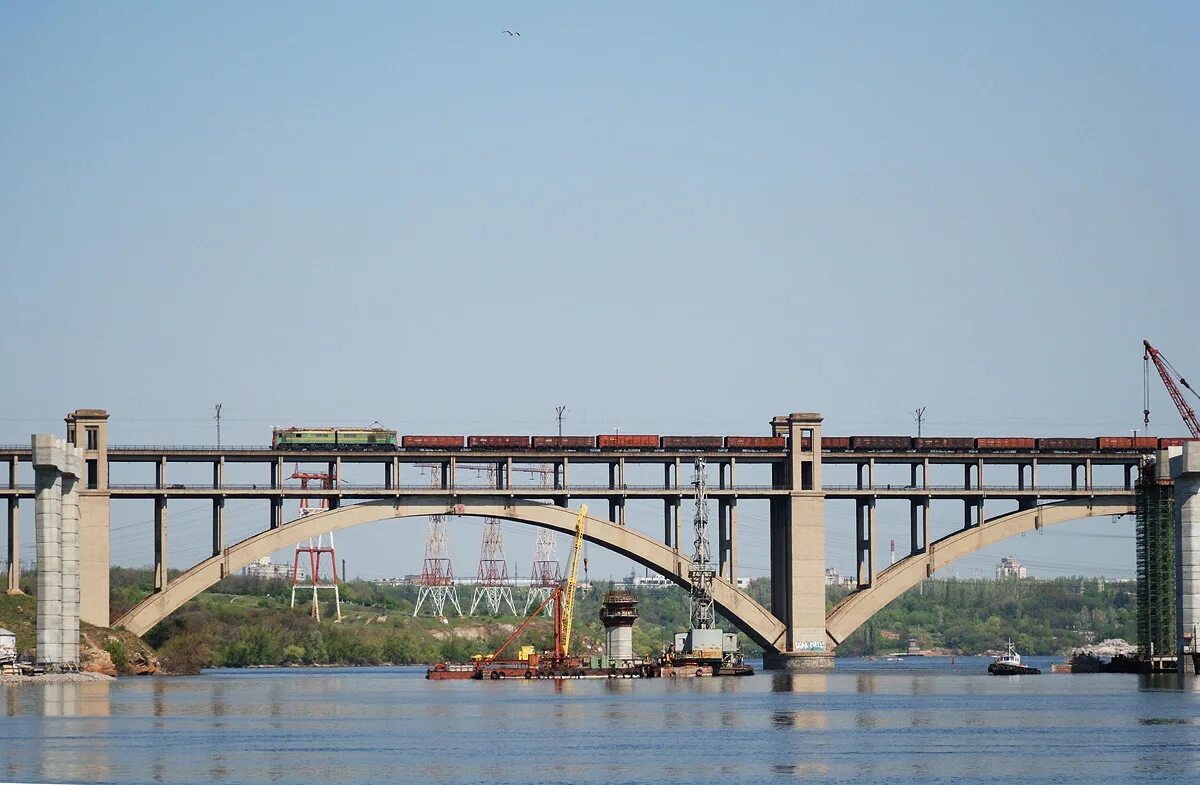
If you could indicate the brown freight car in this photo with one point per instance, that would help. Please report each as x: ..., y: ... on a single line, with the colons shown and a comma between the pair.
x: 691, y: 442
x: 756, y: 442
x: 1174, y: 441
x: 1005, y: 443
x: 433, y: 442
x: 1066, y: 444
x: 564, y: 442
x: 835, y: 442
x: 955, y: 443
x: 498, y: 442
x: 627, y: 441
x: 1119, y: 443
x: 892, y: 443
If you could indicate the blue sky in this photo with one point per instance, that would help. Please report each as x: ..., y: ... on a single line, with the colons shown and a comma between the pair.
x: 679, y: 218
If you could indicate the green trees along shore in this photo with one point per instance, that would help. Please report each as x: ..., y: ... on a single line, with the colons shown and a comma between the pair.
x: 248, y: 621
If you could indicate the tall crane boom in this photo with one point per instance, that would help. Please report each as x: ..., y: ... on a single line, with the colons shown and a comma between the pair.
x: 568, y: 598
x: 1168, y: 372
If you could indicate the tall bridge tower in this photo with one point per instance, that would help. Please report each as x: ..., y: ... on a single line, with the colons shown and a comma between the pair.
x: 798, y: 547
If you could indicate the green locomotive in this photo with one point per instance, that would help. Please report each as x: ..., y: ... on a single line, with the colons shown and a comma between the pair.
x: 299, y: 439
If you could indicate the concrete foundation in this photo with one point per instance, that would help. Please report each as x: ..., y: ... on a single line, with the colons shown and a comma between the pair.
x: 797, y: 662
x: 1185, y: 471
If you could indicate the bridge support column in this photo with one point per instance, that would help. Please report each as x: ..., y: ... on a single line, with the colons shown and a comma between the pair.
x: 48, y: 461
x: 733, y: 540
x: 14, y: 546
x: 865, y: 520
x: 913, y: 546
x: 723, y: 538
x: 276, y: 511
x: 798, y: 549
x: 218, y: 526
x: 1185, y: 470
x: 160, y: 543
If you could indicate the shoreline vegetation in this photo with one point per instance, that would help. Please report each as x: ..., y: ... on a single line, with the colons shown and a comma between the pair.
x: 248, y: 622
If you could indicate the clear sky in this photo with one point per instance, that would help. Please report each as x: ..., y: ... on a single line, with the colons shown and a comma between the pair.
x: 671, y: 217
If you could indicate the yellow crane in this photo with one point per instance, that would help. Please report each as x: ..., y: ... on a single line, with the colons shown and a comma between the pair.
x: 568, y: 597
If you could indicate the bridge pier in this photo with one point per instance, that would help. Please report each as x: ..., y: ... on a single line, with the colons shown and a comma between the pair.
x: 798, y: 549
x: 160, y: 543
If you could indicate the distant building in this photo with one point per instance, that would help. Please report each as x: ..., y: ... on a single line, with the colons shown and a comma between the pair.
x: 1009, y: 567
x: 834, y: 578
x: 265, y: 568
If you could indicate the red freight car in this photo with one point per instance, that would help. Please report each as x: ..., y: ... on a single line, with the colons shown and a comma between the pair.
x: 564, y: 442
x: 1174, y: 441
x: 691, y: 442
x: 1005, y: 443
x: 943, y: 443
x: 1117, y: 443
x: 498, y: 442
x: 433, y: 442
x: 755, y: 442
x: 627, y: 441
x: 835, y: 442
x: 885, y: 443
x: 1066, y: 444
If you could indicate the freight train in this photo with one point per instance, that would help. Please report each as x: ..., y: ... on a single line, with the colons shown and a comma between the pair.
x: 353, y: 439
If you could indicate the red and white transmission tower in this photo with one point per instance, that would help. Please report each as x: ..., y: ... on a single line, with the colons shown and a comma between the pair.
x: 492, y: 584
x: 546, y: 574
x: 315, y: 550
x: 437, y: 574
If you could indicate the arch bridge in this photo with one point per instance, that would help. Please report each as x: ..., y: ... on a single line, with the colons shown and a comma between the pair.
x: 795, y: 631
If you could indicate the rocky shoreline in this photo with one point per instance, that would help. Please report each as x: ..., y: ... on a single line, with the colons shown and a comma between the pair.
x: 54, y: 678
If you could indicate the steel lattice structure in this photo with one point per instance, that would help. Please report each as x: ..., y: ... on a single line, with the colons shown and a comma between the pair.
x: 492, y: 586
x: 1155, y: 568
x: 437, y: 574
x: 546, y: 573
x: 700, y: 575
x: 316, y: 548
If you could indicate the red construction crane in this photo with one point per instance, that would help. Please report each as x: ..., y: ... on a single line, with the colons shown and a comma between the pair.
x: 1168, y: 374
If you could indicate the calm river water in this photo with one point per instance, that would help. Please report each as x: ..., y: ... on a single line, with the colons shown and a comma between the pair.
x: 914, y: 721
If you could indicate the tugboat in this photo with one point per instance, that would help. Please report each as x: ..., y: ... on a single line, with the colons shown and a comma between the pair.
x: 1009, y: 664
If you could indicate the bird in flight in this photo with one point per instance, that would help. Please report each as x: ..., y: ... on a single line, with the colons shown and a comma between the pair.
x: 511, y: 33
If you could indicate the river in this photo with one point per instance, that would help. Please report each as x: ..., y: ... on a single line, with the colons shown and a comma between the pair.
x: 922, y: 721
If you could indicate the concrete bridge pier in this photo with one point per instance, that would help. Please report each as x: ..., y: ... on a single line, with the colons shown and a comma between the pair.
x: 48, y: 463
x: 56, y: 505
x: 1185, y: 471
x: 798, y: 551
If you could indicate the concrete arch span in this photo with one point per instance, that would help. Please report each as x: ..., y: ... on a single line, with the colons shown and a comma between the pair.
x: 750, y: 617
x: 854, y: 610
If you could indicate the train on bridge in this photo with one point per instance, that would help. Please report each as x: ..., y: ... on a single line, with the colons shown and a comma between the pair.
x: 363, y: 439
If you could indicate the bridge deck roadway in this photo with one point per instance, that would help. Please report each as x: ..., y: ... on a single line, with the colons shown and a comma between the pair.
x: 360, y: 492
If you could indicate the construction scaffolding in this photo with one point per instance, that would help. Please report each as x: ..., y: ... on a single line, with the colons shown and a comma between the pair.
x: 1155, y: 568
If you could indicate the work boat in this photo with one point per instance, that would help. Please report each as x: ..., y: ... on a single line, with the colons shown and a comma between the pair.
x: 1009, y: 664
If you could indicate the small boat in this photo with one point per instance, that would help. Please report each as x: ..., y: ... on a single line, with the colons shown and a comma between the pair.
x: 1009, y: 664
